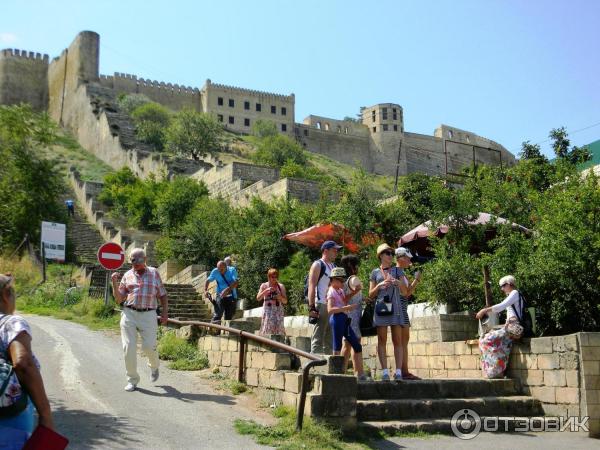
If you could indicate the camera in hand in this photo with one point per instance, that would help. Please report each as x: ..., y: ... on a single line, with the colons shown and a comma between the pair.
x: 387, y: 299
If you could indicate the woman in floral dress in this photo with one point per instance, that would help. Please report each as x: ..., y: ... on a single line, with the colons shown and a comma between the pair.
x: 272, y: 294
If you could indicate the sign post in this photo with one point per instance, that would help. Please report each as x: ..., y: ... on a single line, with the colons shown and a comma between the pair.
x: 110, y: 256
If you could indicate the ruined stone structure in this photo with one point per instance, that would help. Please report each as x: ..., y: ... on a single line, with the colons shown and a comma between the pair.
x: 72, y: 90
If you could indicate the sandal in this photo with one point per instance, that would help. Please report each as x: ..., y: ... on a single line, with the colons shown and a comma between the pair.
x: 410, y: 376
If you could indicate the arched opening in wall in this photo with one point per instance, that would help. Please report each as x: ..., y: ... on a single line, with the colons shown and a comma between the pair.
x: 450, y: 134
x: 345, y: 130
x: 318, y: 124
x: 468, y: 140
x: 339, y: 129
x: 327, y: 126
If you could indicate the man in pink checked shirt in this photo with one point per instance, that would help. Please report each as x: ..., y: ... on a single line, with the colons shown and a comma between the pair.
x: 138, y: 292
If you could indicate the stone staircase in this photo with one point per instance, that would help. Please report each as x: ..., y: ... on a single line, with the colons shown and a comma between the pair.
x: 186, y: 304
x: 428, y: 405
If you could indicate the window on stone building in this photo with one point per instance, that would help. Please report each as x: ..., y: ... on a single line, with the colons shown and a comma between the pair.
x: 220, y: 117
x: 327, y: 127
x: 305, y: 132
x: 318, y: 125
x: 246, y: 105
x: 220, y: 101
x: 468, y: 140
x: 258, y: 107
x: 384, y: 114
x: 283, y: 127
x: 283, y: 111
x: 385, y: 127
x: 450, y: 134
x: 373, y: 116
x: 231, y: 120
x: 246, y: 122
x: 231, y: 103
x: 395, y: 127
x: 273, y: 109
x: 374, y: 129
x: 339, y: 129
x: 394, y: 115
x: 345, y: 130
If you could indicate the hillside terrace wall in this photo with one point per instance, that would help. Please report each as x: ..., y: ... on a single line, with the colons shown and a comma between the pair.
x: 350, y: 149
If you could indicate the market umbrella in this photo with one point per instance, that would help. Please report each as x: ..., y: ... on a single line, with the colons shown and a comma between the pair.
x: 317, y: 234
x: 417, y: 239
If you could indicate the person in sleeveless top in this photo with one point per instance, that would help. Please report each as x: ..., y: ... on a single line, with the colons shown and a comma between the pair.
x: 273, y: 295
x: 388, y: 290
x: 403, y: 261
x: 15, y: 346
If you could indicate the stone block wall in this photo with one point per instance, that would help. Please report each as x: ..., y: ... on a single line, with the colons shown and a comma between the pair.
x: 187, y: 275
x: 443, y: 328
x: 24, y: 78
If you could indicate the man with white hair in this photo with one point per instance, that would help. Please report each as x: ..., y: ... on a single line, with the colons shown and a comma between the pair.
x: 138, y: 292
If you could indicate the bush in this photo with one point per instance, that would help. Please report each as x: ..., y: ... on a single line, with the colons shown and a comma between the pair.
x: 152, y: 120
x: 264, y: 128
x: 129, y: 102
x: 275, y: 151
x: 193, y: 134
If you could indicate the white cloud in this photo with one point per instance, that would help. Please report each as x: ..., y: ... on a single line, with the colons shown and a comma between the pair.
x: 8, y: 38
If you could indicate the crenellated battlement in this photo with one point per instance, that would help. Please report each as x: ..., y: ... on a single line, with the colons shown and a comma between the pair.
x: 243, y: 91
x: 146, y: 83
x: 16, y: 53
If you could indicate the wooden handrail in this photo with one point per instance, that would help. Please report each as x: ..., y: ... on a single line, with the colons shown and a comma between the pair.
x: 313, y: 359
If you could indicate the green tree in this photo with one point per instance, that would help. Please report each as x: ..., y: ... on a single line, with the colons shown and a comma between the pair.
x: 264, y: 128
x: 193, y: 134
x: 561, y: 146
x: 275, y: 151
x: 175, y: 202
x: 30, y: 187
x: 531, y: 151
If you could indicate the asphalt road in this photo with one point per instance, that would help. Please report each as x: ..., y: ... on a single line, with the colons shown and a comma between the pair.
x: 84, y: 376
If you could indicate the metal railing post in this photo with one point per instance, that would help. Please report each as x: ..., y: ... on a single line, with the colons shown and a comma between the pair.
x: 242, y: 359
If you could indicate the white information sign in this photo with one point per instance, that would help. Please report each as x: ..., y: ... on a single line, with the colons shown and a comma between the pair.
x: 54, y: 240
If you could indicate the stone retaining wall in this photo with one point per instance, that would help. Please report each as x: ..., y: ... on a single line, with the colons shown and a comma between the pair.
x: 562, y: 372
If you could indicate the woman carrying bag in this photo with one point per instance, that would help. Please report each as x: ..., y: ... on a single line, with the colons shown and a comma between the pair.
x: 495, y: 345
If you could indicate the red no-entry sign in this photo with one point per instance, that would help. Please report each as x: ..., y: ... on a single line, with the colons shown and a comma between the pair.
x: 111, y: 256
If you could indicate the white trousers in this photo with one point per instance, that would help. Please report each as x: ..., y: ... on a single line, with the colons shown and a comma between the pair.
x: 145, y: 323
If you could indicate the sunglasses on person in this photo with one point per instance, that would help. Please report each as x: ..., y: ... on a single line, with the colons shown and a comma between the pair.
x: 137, y: 260
x: 388, y: 253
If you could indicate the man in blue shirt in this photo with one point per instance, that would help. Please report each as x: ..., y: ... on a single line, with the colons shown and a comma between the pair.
x: 233, y: 270
x: 226, y: 283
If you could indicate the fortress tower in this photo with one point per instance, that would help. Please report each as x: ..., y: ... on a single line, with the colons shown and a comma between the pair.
x: 385, y: 122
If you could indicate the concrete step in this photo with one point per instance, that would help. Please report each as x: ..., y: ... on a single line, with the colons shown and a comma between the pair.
x: 434, y: 388
x: 438, y: 408
x: 444, y: 426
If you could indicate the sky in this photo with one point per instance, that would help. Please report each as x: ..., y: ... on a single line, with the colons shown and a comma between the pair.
x: 507, y: 70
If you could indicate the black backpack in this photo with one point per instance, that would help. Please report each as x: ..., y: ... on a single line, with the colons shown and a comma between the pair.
x: 525, y: 318
x: 321, y: 275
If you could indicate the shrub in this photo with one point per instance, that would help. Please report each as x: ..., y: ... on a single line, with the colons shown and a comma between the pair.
x: 275, y: 151
x: 129, y: 102
x: 152, y: 120
x: 264, y: 128
x: 182, y: 354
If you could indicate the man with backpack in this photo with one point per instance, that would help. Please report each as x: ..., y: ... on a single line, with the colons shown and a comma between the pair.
x: 226, y: 283
x: 317, y: 284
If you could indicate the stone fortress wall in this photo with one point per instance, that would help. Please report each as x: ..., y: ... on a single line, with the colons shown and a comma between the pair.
x: 74, y: 93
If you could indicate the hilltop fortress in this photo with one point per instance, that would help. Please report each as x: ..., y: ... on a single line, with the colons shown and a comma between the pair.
x: 77, y: 97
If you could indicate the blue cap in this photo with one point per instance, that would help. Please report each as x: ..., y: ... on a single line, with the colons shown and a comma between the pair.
x: 329, y: 244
